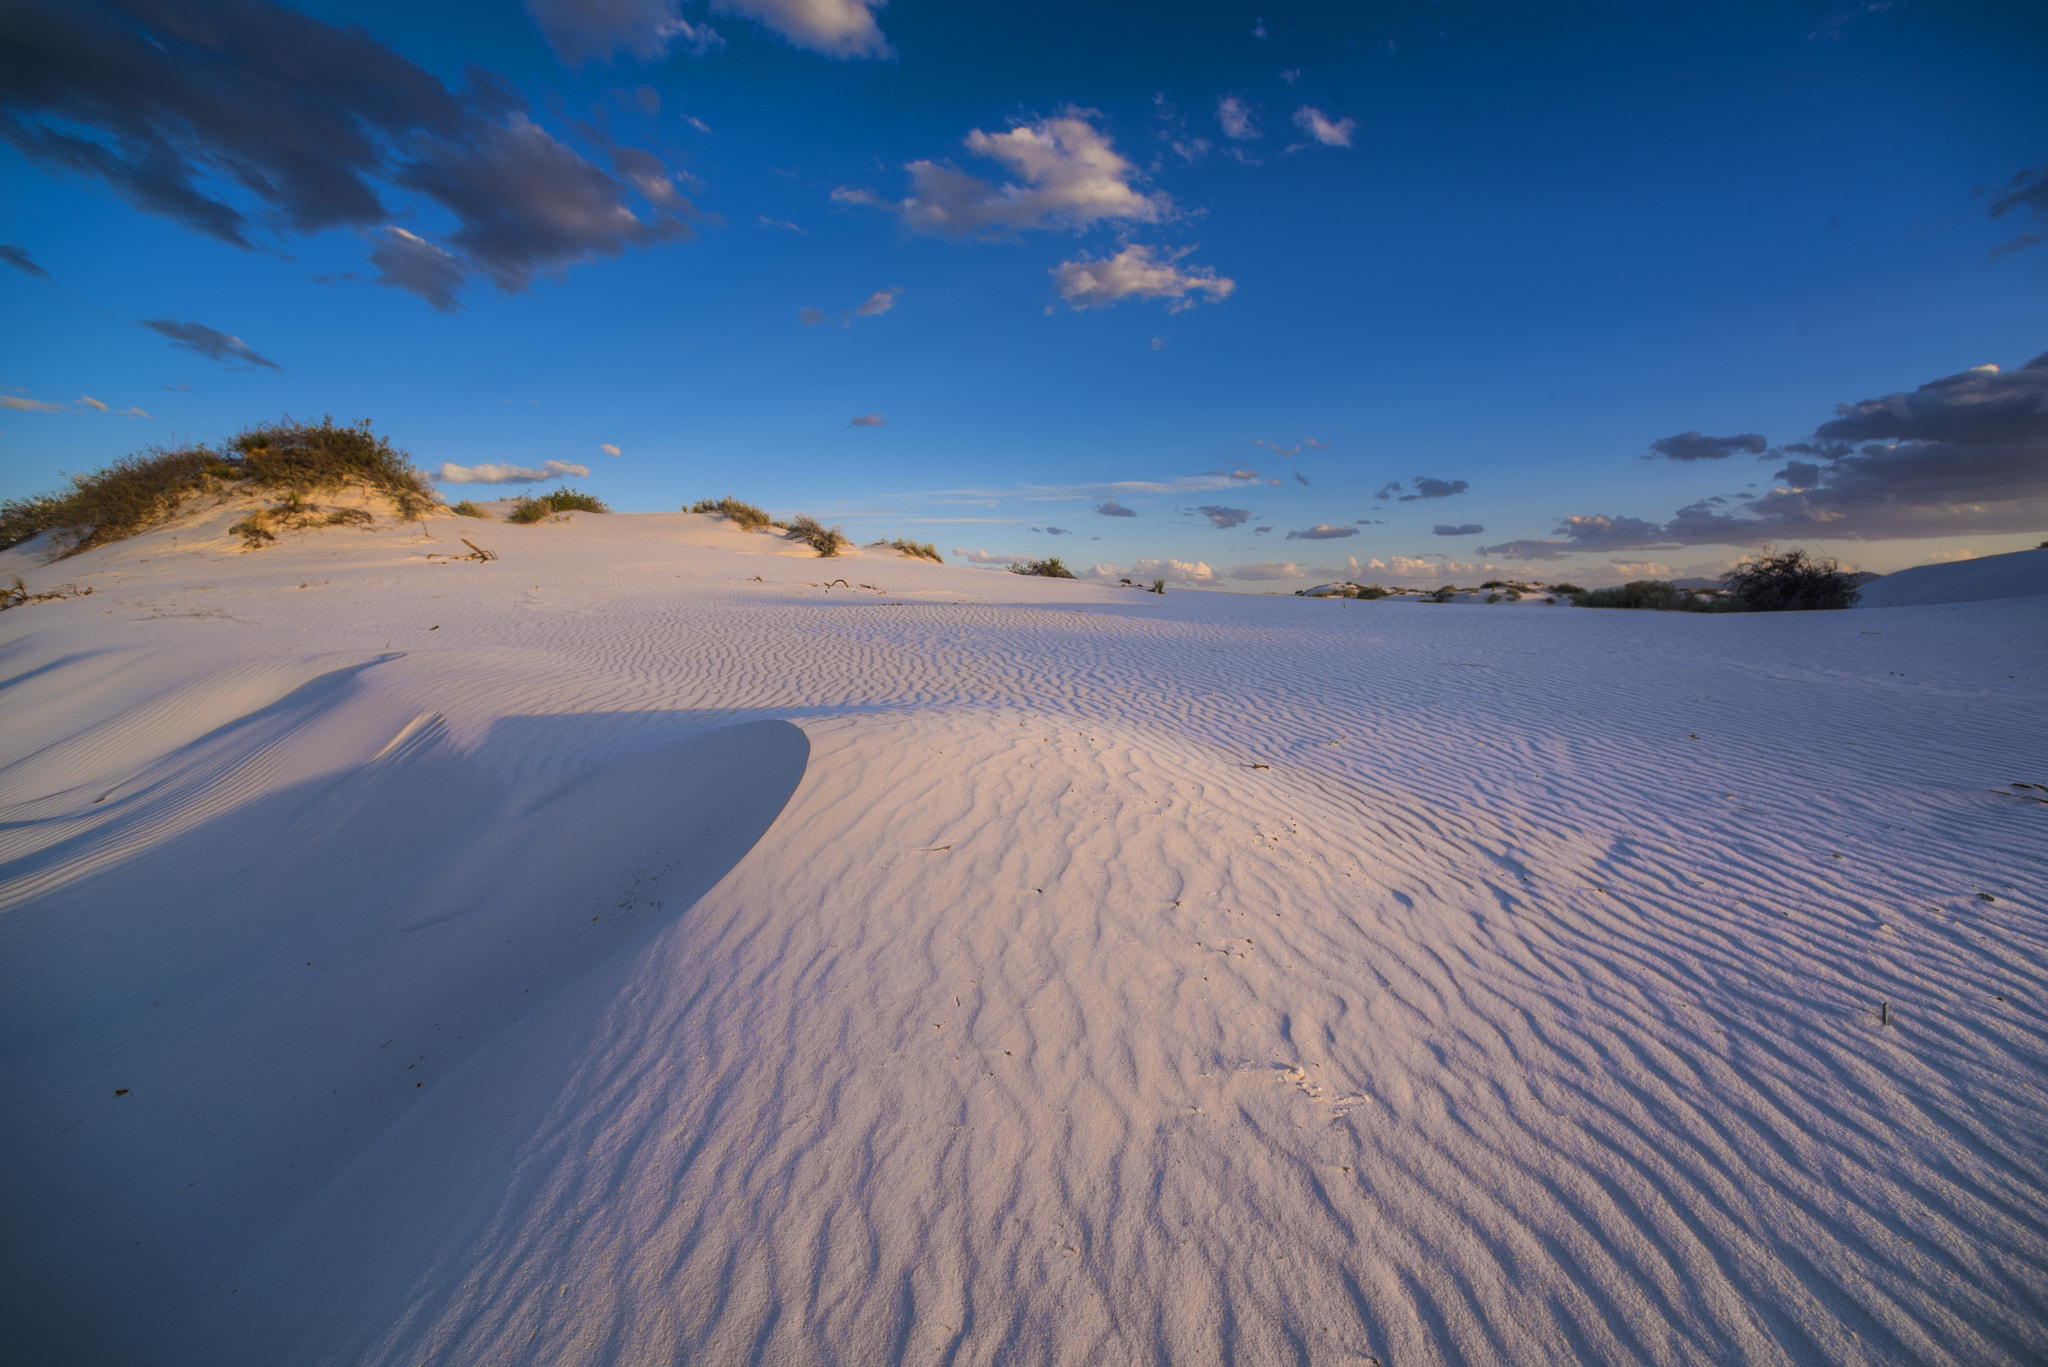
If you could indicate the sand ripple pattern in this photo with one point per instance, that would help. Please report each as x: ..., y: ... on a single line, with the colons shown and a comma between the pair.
x: 1248, y: 981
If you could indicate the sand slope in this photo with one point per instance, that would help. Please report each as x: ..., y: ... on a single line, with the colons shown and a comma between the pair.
x: 2019, y: 574
x: 600, y: 956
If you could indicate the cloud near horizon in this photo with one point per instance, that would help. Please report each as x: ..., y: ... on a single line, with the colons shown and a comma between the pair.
x: 314, y: 122
x: 1067, y: 176
x: 1267, y: 570
x: 211, y: 343
x: 1965, y: 454
x: 451, y: 473
x: 1136, y: 273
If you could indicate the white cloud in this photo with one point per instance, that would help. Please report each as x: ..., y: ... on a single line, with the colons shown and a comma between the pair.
x: 1641, y: 569
x: 608, y: 449
x: 1067, y: 176
x: 29, y: 405
x: 1268, y: 569
x: 90, y: 402
x: 1237, y: 119
x: 870, y: 420
x: 451, y: 473
x: 1135, y: 273
x: 131, y: 413
x: 988, y: 557
x: 881, y: 301
x: 837, y: 28
x: 1311, y: 121
x: 1172, y: 571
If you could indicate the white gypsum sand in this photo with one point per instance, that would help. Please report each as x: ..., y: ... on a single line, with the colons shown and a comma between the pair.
x: 645, y: 949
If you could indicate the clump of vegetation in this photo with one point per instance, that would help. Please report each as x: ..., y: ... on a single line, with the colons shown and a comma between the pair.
x: 826, y: 541
x: 1791, y: 581
x: 1052, y: 567
x: 467, y: 509
x: 1442, y: 595
x: 922, y: 550
x: 294, y: 514
x: 1657, y: 595
x: 293, y: 458
x: 745, y: 516
x: 1566, y: 590
x: 530, y: 509
x: 1158, y: 587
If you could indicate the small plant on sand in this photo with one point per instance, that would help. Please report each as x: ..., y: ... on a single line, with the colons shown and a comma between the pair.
x: 826, y: 541
x: 921, y: 550
x: 530, y: 509
x: 745, y: 516
x: 1789, y: 581
x: 467, y: 509
x: 290, y: 458
x: 1052, y: 567
x: 293, y: 514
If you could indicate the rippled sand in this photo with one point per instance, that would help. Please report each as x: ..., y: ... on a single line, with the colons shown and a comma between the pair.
x: 601, y: 955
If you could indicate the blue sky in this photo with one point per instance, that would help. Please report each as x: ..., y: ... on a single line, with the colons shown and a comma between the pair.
x: 1426, y: 290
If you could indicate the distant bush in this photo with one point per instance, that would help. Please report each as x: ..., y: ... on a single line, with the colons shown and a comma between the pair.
x: 1158, y: 586
x: 1789, y: 581
x: 1566, y: 590
x: 137, y: 492
x: 467, y: 509
x: 1052, y: 567
x: 1656, y: 595
x: 744, y: 515
x: 535, y: 508
x: 826, y: 541
x: 1494, y: 584
x: 922, y: 550
x: 1442, y: 595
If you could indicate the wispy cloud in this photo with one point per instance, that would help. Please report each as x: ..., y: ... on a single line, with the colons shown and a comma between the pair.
x: 1137, y: 273
x: 1236, y: 119
x: 211, y: 343
x: 1322, y: 531
x: 1462, y: 529
x: 1221, y: 517
x: 451, y: 473
x: 1310, y: 120
x: 1691, y: 446
x: 1114, y: 509
x: 609, y: 449
x: 876, y: 304
x: 21, y: 405
x: 17, y: 256
x: 869, y: 420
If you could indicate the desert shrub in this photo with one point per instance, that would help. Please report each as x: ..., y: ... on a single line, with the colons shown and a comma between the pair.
x: 745, y: 516
x: 1442, y: 595
x: 303, y: 457
x: 1494, y: 584
x: 1566, y: 590
x: 138, y: 491
x: 1657, y: 595
x: 1052, y: 567
x: 922, y: 550
x: 573, y: 501
x: 467, y: 509
x: 1789, y: 581
x: 532, y: 508
x: 826, y: 541
x: 1158, y: 586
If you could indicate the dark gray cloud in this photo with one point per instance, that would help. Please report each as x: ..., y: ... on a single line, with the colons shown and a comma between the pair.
x: 1965, y: 454
x: 1114, y: 509
x: 1393, y: 487
x: 1693, y: 446
x: 214, y: 345
x: 1220, y: 517
x: 209, y: 111
x: 1260, y: 531
x: 1322, y: 531
x: 408, y: 262
x: 1465, y: 529
x: 1053, y: 531
x: 1587, y: 532
x: 19, y: 258
x: 1300, y: 478
x: 1426, y: 487
x: 2029, y: 191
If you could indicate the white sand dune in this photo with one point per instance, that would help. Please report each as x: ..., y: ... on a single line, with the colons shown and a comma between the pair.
x: 606, y: 955
x: 2018, y: 574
